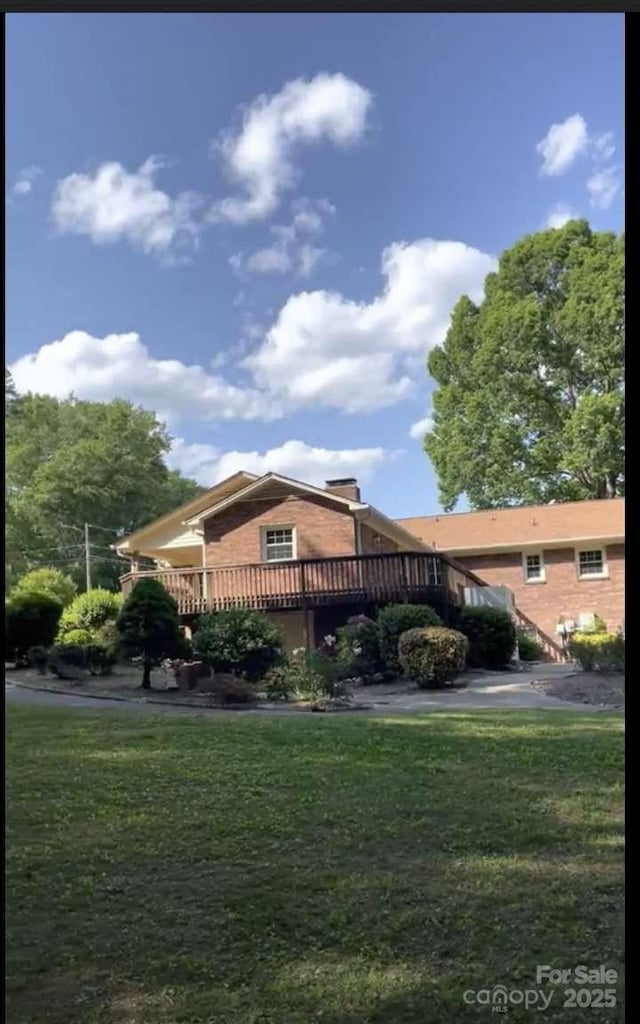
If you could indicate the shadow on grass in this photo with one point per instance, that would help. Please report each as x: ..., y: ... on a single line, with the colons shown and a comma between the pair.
x: 354, y: 872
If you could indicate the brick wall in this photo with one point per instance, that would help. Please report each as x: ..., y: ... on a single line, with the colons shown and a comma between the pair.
x: 562, y: 593
x: 322, y: 530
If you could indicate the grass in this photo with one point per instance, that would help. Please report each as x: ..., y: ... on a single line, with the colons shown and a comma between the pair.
x: 290, y: 871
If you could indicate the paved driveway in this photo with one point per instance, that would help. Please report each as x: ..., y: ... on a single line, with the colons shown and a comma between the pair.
x: 499, y: 690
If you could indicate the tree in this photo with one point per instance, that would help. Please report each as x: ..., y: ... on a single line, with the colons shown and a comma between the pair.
x: 48, y: 581
x: 529, y: 405
x: 149, y: 626
x: 70, y: 462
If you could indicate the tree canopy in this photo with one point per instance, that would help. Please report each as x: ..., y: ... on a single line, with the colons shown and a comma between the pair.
x: 70, y: 462
x: 529, y: 404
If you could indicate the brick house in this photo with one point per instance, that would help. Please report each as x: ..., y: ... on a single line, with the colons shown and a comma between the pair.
x: 562, y: 561
x: 307, y: 556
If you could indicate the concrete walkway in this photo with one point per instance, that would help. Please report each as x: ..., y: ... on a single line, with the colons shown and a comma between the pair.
x: 495, y: 691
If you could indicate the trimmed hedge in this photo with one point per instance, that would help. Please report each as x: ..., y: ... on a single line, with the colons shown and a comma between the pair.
x: 31, y: 620
x: 432, y: 656
x: 598, y: 652
x: 91, y: 610
x: 396, y: 619
x: 491, y: 635
x: 47, y: 580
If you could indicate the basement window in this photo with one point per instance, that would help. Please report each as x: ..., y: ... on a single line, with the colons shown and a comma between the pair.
x: 591, y: 564
x: 278, y: 544
x: 534, y: 568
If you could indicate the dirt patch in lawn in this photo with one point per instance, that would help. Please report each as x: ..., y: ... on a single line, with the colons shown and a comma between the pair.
x: 598, y: 688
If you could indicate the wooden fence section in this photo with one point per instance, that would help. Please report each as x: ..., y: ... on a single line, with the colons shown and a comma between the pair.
x: 405, y: 576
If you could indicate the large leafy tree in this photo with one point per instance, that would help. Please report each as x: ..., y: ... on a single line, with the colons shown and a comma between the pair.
x: 70, y: 462
x: 529, y: 404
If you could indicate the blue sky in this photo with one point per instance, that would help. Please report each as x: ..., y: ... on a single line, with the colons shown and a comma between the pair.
x: 258, y: 224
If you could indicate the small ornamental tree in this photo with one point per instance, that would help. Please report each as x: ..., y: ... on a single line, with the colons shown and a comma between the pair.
x: 149, y: 627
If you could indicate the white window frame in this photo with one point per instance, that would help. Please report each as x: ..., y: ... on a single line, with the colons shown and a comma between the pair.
x: 542, y: 578
x: 603, y: 575
x: 264, y: 530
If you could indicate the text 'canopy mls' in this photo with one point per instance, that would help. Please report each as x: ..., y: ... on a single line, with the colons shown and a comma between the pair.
x: 529, y: 405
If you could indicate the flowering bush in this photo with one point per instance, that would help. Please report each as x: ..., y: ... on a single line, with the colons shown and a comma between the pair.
x: 314, y: 674
x: 358, y: 648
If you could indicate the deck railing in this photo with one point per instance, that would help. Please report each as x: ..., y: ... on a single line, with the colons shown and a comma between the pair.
x: 309, y: 583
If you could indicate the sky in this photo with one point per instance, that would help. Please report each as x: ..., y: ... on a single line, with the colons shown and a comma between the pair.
x: 258, y: 225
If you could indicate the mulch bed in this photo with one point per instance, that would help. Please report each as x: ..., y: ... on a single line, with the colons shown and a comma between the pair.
x: 597, y: 688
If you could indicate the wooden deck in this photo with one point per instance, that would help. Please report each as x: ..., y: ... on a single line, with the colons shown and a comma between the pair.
x: 309, y: 583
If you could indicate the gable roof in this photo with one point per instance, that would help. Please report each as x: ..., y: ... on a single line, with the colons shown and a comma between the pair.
x: 264, y: 483
x: 526, y: 526
x: 182, y: 512
x: 243, y: 487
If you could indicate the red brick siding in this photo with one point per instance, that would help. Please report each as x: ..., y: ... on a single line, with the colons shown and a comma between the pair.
x: 370, y: 546
x: 562, y: 593
x: 322, y: 531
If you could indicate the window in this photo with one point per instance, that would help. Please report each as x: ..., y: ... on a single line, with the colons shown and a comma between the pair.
x: 534, y: 569
x: 591, y: 563
x: 278, y: 544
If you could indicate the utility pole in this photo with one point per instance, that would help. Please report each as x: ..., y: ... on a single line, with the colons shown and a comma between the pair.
x: 87, y: 555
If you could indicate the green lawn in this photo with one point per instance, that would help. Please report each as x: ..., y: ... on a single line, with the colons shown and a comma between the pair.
x: 261, y: 870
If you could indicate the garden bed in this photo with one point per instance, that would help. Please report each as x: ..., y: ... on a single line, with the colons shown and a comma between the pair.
x: 604, y: 689
x: 124, y: 684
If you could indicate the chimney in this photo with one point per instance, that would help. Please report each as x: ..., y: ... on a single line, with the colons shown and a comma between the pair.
x: 347, y: 488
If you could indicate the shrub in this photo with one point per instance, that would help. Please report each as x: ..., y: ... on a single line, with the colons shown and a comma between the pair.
x: 100, y: 659
x: 38, y: 658
x: 68, y: 661
x: 528, y: 648
x: 149, y: 626
x: 31, y: 620
x: 278, y: 683
x: 108, y: 636
x: 432, y: 656
x: 491, y: 635
x: 598, y: 652
x: 48, y: 581
x: 91, y: 610
x: 240, y: 641
x: 358, y: 648
x: 396, y: 619
x: 315, y: 674
x: 229, y: 690
x: 76, y: 638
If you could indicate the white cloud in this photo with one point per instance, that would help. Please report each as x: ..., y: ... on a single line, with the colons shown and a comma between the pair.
x: 295, y: 459
x: 559, y: 215
x: 418, y: 429
x: 272, y: 260
x: 322, y: 349
x: 289, y: 251
x: 603, y: 187
x: 562, y: 144
x: 120, y: 366
x: 603, y: 147
x: 326, y: 350
x: 258, y: 157
x: 25, y: 180
x: 113, y: 205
